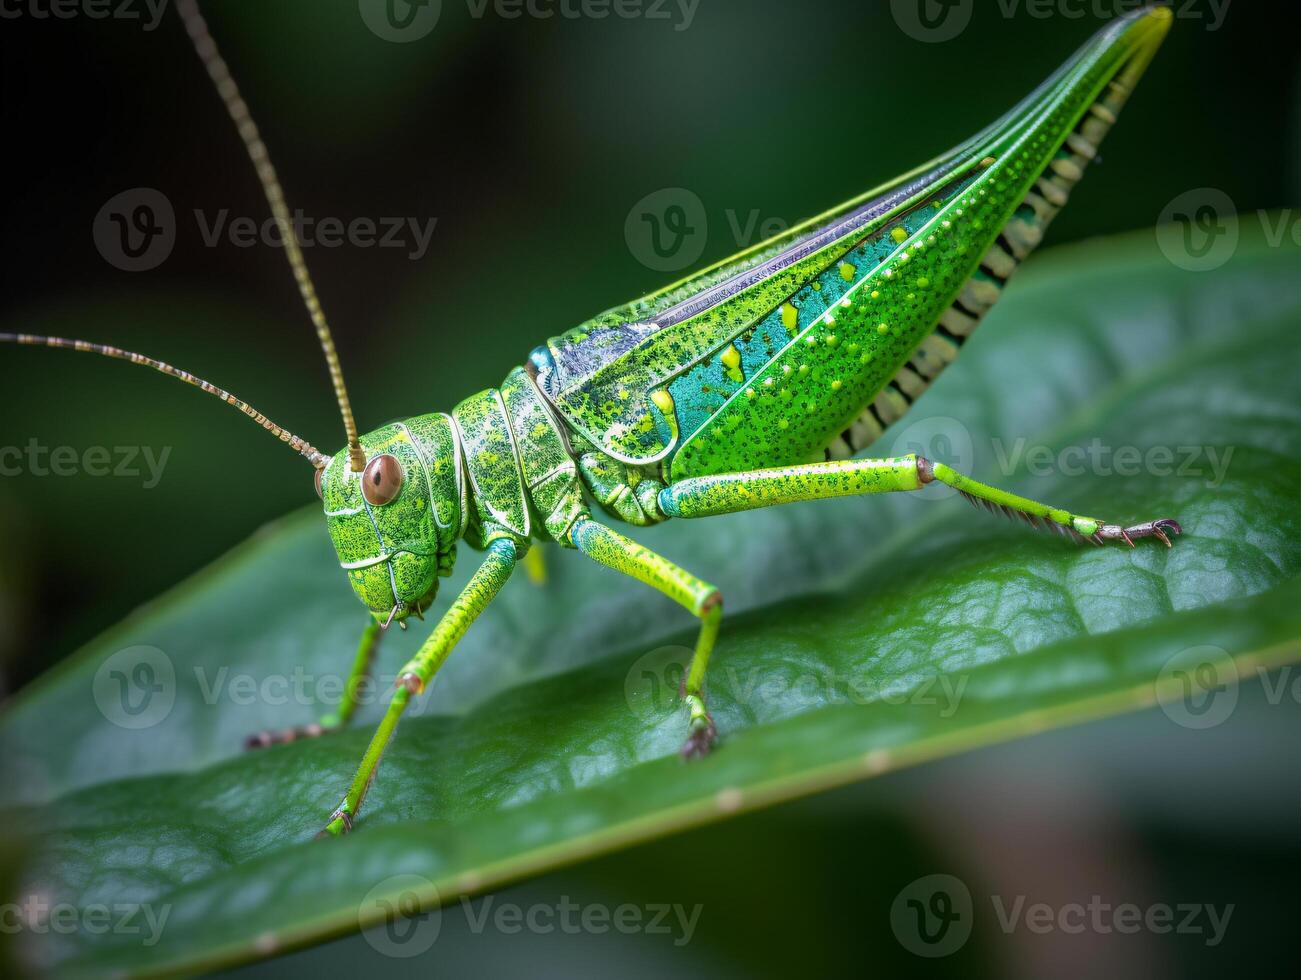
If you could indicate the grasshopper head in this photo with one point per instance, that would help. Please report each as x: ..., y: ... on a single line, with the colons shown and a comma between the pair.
x: 395, y: 524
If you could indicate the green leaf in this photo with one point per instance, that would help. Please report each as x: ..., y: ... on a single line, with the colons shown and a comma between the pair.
x: 861, y: 635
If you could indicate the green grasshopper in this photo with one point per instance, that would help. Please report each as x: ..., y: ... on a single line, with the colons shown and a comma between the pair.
x: 751, y: 384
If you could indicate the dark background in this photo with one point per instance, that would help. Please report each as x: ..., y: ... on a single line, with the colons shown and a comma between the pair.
x: 530, y: 140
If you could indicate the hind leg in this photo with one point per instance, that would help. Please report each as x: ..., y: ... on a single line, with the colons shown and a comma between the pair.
x: 728, y: 493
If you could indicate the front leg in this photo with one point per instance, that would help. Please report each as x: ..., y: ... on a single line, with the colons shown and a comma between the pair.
x: 473, y: 600
x: 335, y: 720
x: 613, y: 550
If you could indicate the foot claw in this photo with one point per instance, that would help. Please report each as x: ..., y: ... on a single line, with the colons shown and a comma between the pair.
x: 700, y: 739
x: 340, y: 823
x: 268, y: 738
x: 1152, y: 529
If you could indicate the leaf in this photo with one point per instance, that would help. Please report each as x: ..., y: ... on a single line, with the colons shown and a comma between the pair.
x: 861, y: 635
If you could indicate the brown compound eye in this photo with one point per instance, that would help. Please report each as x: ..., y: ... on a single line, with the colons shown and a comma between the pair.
x: 320, y: 472
x: 382, y: 480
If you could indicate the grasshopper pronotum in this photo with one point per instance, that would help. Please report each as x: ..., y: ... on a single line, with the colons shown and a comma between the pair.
x: 751, y: 384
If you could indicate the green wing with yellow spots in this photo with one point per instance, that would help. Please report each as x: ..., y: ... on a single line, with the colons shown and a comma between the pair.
x: 608, y: 376
x: 676, y: 368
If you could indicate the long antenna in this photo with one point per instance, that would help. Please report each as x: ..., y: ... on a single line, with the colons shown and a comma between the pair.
x: 206, y: 48
x: 316, y: 458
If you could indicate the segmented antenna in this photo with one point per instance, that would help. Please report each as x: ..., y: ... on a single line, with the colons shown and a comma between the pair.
x: 206, y: 48
x: 316, y: 458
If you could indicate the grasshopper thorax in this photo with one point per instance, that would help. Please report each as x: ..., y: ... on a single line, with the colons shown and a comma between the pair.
x: 395, y: 524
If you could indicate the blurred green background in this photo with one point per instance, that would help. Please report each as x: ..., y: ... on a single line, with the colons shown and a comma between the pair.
x: 530, y: 140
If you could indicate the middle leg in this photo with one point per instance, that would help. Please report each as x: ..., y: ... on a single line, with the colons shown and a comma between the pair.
x: 613, y: 550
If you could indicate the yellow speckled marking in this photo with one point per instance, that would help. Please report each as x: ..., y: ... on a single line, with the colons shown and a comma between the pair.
x: 732, y: 363
x: 790, y: 317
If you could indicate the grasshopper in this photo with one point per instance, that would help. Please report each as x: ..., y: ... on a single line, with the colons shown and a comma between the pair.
x: 750, y: 384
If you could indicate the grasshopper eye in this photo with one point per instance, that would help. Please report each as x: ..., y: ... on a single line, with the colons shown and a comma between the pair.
x: 382, y: 480
x: 320, y: 472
